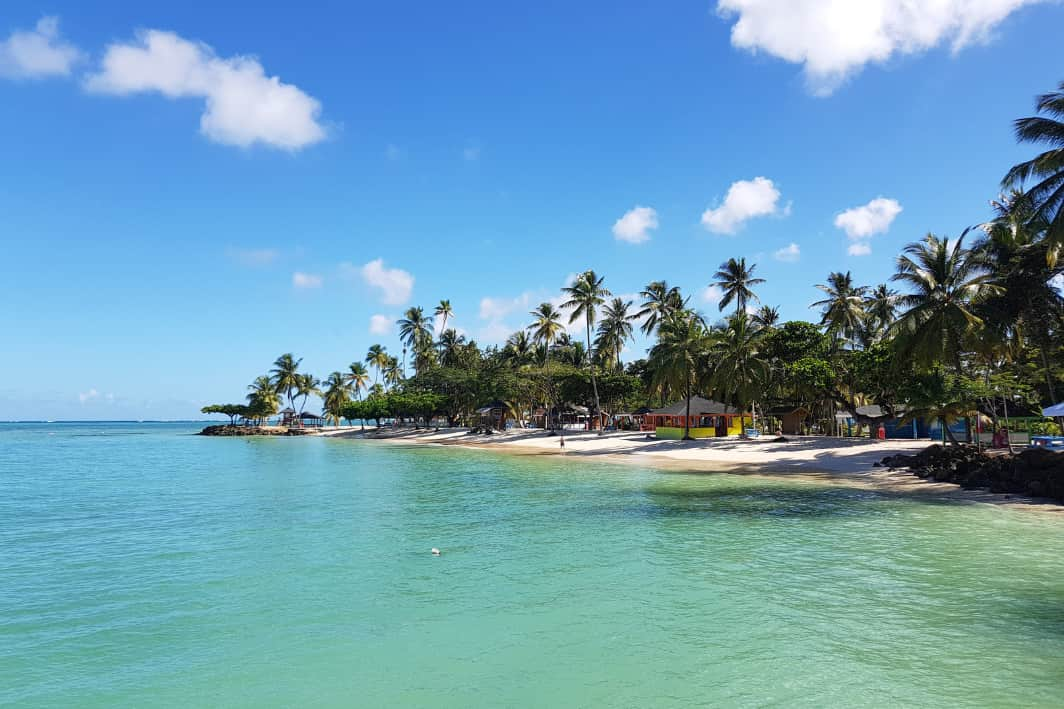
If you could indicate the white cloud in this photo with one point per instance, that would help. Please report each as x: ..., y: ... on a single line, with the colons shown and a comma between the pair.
x: 789, y: 253
x: 37, y: 53
x: 244, y: 106
x: 864, y: 222
x: 306, y: 280
x: 395, y: 284
x: 381, y: 325
x: 746, y: 199
x: 833, y: 40
x: 1057, y: 281
x: 89, y: 395
x: 711, y: 295
x: 869, y: 219
x: 494, y: 333
x: 499, y: 308
x: 635, y: 224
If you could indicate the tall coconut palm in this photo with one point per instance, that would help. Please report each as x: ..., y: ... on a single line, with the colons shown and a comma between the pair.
x: 357, y: 378
x: 586, y: 294
x: 415, y: 330
x: 880, y: 305
x: 739, y: 373
x: 660, y: 302
x: 945, y: 281
x: 677, y: 361
x: 766, y: 316
x: 736, y: 282
x: 614, y: 330
x: 378, y: 358
x: 545, y: 329
x: 1046, y: 196
x: 842, y: 311
x: 393, y: 375
x: 518, y: 349
x: 337, y: 393
x: 306, y: 384
x: 450, y: 341
x: 285, y: 375
x: 444, y: 312
x: 1028, y: 303
x: 262, y: 394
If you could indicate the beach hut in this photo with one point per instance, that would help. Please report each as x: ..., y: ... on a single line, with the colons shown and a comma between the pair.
x: 289, y: 417
x: 309, y: 420
x: 794, y: 420
x: 709, y: 419
x: 494, y: 415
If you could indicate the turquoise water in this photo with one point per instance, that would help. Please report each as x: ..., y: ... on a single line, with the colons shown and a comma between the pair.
x: 140, y: 565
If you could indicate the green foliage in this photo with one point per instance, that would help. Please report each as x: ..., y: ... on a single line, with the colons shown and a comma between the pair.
x: 1044, y: 428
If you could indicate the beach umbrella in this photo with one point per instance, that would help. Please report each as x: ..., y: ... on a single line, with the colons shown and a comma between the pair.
x: 1054, y: 411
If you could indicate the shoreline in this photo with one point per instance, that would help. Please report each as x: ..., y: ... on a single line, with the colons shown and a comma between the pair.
x: 847, y: 462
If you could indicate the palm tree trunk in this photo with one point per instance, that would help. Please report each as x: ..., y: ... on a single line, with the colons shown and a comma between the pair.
x: 687, y: 417
x: 547, y: 422
x: 591, y: 366
x: 1048, y: 373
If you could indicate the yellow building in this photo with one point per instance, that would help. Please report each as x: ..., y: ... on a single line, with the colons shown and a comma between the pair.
x: 709, y: 419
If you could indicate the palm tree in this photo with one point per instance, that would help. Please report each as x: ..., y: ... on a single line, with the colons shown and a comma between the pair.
x: 285, y: 374
x: 444, y: 312
x: 1046, y: 197
x: 336, y: 395
x: 357, y: 378
x: 518, y: 348
x: 306, y: 384
x: 736, y: 283
x: 1028, y: 302
x: 614, y: 330
x: 415, y: 330
x: 660, y: 302
x: 377, y: 357
x: 945, y: 281
x: 739, y: 373
x: 881, y: 305
x: 767, y: 316
x: 545, y: 330
x: 842, y: 312
x: 450, y: 341
x: 393, y: 375
x: 586, y: 294
x: 263, y: 392
x: 677, y: 361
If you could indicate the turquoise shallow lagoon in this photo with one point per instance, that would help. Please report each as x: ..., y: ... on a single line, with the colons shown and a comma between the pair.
x: 140, y: 565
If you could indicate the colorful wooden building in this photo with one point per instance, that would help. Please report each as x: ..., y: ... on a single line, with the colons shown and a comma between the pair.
x: 709, y: 419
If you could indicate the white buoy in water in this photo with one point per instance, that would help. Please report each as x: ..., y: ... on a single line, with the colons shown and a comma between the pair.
x: 435, y: 551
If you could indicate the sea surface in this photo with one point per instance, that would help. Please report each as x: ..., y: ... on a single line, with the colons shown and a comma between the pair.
x: 141, y: 565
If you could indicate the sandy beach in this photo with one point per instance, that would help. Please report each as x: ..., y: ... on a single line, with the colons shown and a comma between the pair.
x: 841, y: 461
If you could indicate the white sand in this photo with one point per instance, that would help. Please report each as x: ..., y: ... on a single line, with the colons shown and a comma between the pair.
x: 842, y: 455
x: 843, y: 461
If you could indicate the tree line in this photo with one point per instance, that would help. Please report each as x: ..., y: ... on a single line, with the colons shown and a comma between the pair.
x: 965, y: 325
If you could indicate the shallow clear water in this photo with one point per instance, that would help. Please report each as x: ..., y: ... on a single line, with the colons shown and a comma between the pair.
x: 141, y: 565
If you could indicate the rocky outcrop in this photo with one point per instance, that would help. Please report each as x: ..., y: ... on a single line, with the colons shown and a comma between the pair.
x: 227, y: 430
x: 1032, y: 471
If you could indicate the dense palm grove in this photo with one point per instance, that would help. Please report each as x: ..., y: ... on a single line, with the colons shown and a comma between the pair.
x: 968, y: 323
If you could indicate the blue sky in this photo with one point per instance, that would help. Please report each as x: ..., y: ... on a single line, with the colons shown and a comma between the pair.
x: 189, y: 190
